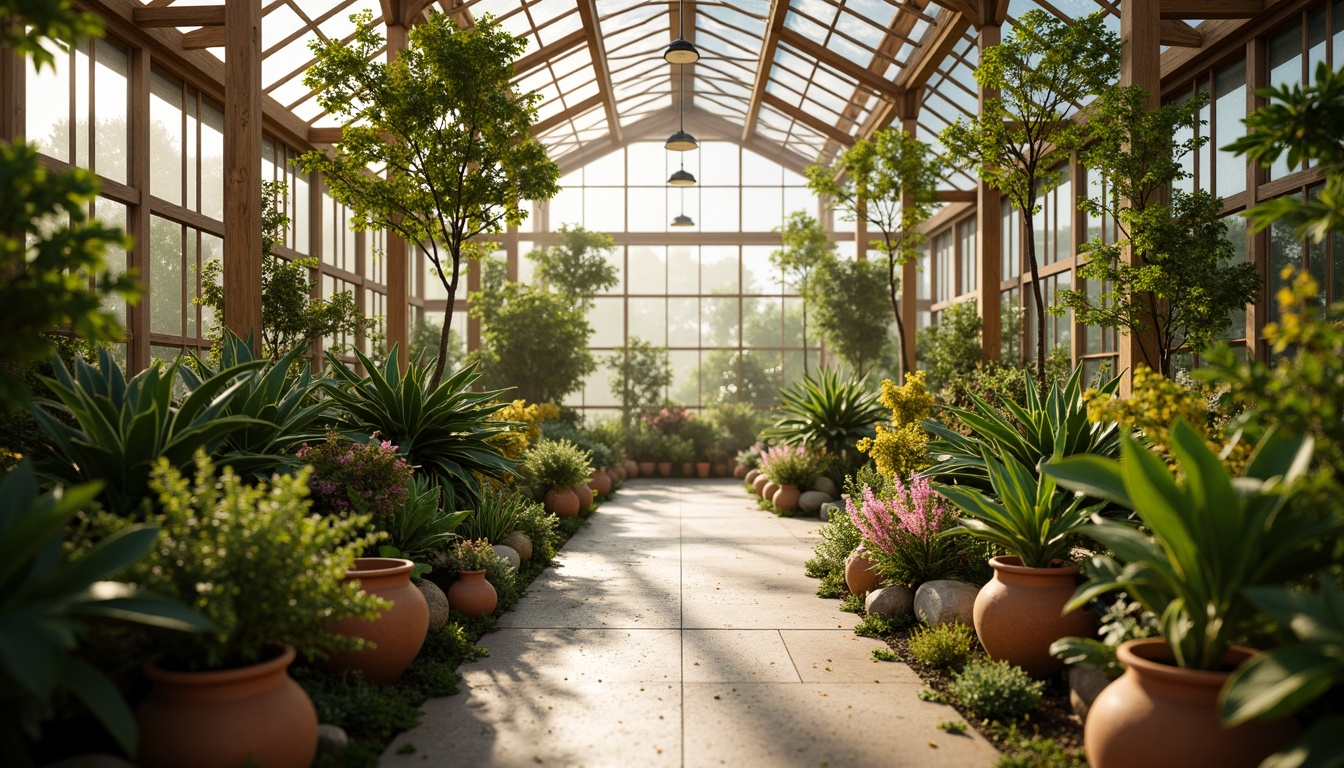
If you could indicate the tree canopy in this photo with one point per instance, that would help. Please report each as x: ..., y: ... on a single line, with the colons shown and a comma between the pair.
x: 580, y: 265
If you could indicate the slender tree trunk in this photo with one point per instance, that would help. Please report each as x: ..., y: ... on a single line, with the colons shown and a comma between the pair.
x: 1029, y: 230
x: 451, y: 285
x: 896, y: 310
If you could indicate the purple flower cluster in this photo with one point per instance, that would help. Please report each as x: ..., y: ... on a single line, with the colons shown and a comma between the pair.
x: 348, y: 477
x: 904, y: 533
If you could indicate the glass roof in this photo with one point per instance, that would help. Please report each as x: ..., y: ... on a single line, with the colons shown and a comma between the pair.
x: 833, y: 66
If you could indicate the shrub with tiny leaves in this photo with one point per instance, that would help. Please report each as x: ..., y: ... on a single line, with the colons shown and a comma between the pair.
x: 944, y: 645
x: 995, y: 690
x: 367, y: 478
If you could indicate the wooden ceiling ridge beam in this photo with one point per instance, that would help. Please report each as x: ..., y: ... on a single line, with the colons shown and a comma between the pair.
x: 550, y: 52
x: 179, y: 16
x: 774, y: 26
x: 824, y: 55
x: 559, y: 118
x: 597, y: 48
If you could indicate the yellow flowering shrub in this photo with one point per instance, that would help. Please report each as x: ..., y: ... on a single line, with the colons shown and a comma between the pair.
x: 900, y: 449
x: 515, y: 442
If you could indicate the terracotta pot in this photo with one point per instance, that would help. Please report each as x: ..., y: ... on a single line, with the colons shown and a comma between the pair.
x: 750, y: 477
x: 720, y: 469
x: 1017, y: 614
x: 632, y: 469
x: 702, y: 469
x: 664, y: 469
x: 860, y: 575
x: 562, y: 502
x: 600, y: 482
x: 688, y: 469
x: 585, y: 495
x: 769, y: 489
x: 472, y: 596
x: 617, y: 473
x: 740, y: 472
x: 227, y: 718
x: 786, y: 498
x: 397, y: 633
x: 758, y: 484
x: 646, y: 469
x: 1159, y: 714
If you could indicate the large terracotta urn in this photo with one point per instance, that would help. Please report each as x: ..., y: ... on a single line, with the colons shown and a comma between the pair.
x: 758, y: 484
x: 253, y: 715
x: 617, y: 474
x: 562, y: 502
x: 397, y: 633
x: 702, y: 469
x: 585, y: 495
x: 1157, y: 714
x: 786, y: 498
x: 646, y: 469
x: 472, y: 596
x: 1018, y: 614
x: 861, y: 574
x: 600, y: 482
x: 740, y: 471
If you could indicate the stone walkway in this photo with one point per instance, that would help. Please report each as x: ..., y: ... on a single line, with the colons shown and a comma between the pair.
x: 680, y: 630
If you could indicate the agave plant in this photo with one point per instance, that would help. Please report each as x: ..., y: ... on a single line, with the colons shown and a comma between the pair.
x: 443, y: 430
x: 421, y: 526
x: 280, y: 397
x: 1056, y: 426
x: 827, y: 413
x: 122, y: 428
x: 46, y: 599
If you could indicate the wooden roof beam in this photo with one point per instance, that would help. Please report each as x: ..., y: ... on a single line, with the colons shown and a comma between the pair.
x: 179, y: 16
x: 1178, y: 33
x: 205, y: 37
x: 559, y: 118
x: 550, y: 52
x: 1203, y: 9
x: 598, y: 50
x: 808, y: 119
x: 774, y: 26
x: 824, y: 55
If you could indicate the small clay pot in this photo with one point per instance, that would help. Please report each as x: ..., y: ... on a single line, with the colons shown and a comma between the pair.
x: 758, y: 484
x: 769, y: 489
x: 562, y: 502
x: 688, y: 469
x: 632, y: 469
x: 860, y: 575
x: 585, y: 495
x: 1018, y: 614
x: 749, y: 477
x: 600, y: 482
x: 720, y: 469
x: 702, y: 469
x: 226, y: 718
x: 472, y: 596
x: 396, y: 634
x: 664, y: 469
x: 1157, y: 713
x: 741, y: 471
x: 786, y: 498
x: 646, y: 469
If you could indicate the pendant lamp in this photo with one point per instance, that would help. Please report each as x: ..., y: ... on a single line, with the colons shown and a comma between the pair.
x: 681, y: 141
x: 682, y: 220
x: 681, y: 50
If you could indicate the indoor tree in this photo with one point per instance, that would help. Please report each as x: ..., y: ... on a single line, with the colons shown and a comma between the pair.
x: 578, y: 266
x: 805, y: 248
x: 891, y: 182
x: 1042, y: 73
x: 643, y: 374
x: 847, y: 299
x: 445, y: 122
x: 1183, y: 282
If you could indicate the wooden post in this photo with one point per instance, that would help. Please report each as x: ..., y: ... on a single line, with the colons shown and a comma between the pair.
x: 910, y: 270
x: 989, y: 232
x: 137, y: 323
x: 242, y: 169
x: 398, y: 273
x: 1140, y: 64
x: 1257, y: 244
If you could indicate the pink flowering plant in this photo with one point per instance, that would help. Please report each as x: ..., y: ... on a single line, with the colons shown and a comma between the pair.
x: 356, y: 478
x: 903, y: 532
x: 670, y: 420
x: 790, y: 465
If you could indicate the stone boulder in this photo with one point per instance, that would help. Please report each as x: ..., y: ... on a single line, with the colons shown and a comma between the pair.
x: 508, y: 553
x: 332, y: 740
x: 810, y: 502
x: 946, y: 601
x: 827, y: 486
x: 828, y: 508
x: 1085, y: 684
x: 520, y: 544
x: 437, y: 601
x: 890, y: 601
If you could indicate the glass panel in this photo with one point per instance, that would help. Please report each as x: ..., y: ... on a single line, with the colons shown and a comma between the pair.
x: 110, y: 100
x: 648, y: 319
x: 165, y: 139
x: 683, y: 269
x: 648, y: 269
x: 719, y: 322
x: 165, y: 287
x: 683, y: 322
x: 1285, y: 250
x: 1230, y: 87
x: 1285, y: 68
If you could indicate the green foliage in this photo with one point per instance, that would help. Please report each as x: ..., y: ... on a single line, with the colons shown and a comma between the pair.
x: 839, y: 537
x: 1041, y: 72
x: 442, y: 429
x: 293, y: 315
x: 944, y: 645
x: 280, y: 399
x: 1026, y: 515
x: 1284, y: 680
x: 1054, y: 426
x: 877, y: 626
x: 559, y: 430
x: 1037, y: 752
x: 852, y: 603
x: 48, y: 598
x: 262, y: 569
x: 1213, y: 537
x: 1185, y: 280
x: 791, y: 466
x: 423, y: 344
x: 533, y: 340
x: 445, y: 117
x: 900, y: 449
x: 870, y: 179
x: 826, y: 413
x: 951, y: 348
x: 903, y: 530
x: 642, y: 375
x: 495, y: 516
x: 677, y: 449
x: 885, y: 654
x: 1124, y: 620
x: 28, y: 26
x: 557, y: 464
x: 578, y: 268
x: 1299, y: 122
x: 932, y: 696
x: 364, y: 478
x: 806, y: 248
x: 954, y: 727
x: 52, y: 249
x: 847, y: 300
x: 737, y: 376
x: 421, y: 526
x: 122, y: 429
x: 995, y: 690
x: 470, y: 555
x: 542, y: 528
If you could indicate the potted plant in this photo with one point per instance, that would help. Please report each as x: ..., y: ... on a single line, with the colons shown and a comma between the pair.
x: 680, y: 454
x: 789, y: 468
x: 269, y: 575
x: 471, y: 595
x: 1018, y: 614
x: 558, y: 465
x: 1213, y: 537
x: 745, y: 463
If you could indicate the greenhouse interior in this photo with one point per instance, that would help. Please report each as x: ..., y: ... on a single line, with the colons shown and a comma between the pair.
x: 764, y: 382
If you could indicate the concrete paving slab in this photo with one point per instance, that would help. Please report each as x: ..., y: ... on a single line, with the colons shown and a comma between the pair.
x: 732, y: 656
x: 840, y: 656
x: 577, y: 656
